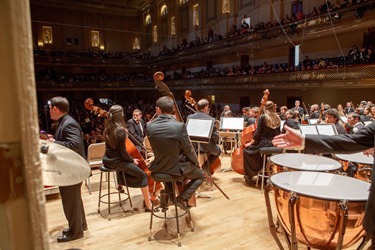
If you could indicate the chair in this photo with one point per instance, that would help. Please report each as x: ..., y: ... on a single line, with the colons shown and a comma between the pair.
x: 95, y: 153
x: 162, y: 214
x: 107, y: 171
x: 266, y: 152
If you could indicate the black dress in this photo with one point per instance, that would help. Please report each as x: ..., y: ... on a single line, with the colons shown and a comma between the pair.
x: 262, y: 138
x: 118, y: 158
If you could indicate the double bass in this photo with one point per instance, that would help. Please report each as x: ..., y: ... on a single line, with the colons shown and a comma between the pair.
x: 163, y: 88
x: 216, y: 164
x: 237, y: 162
x: 130, y: 147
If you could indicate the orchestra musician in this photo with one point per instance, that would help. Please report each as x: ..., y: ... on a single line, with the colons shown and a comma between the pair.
x: 136, y: 127
x: 268, y: 127
x: 291, y: 120
x: 314, y: 112
x: 339, y: 144
x: 297, y: 107
x: 348, y: 108
x: 212, y: 146
x: 282, y: 113
x: 174, y: 153
x: 117, y: 157
x: 226, y: 110
x: 254, y: 113
x: 332, y: 117
x: 69, y: 134
x: 354, y: 124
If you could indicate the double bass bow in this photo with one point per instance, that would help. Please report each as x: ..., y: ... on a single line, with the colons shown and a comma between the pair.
x: 237, y: 162
x: 130, y: 147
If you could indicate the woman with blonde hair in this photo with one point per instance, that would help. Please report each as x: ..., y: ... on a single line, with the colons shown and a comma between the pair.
x: 268, y: 127
x: 116, y: 156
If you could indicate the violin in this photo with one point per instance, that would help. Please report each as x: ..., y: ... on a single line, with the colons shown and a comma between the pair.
x: 130, y: 147
x: 214, y: 166
x: 237, y: 163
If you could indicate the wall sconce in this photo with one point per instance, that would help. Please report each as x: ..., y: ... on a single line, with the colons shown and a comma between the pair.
x: 101, y: 47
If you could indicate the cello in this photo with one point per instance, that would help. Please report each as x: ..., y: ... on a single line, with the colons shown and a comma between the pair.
x: 130, y: 147
x: 216, y: 164
x: 237, y: 163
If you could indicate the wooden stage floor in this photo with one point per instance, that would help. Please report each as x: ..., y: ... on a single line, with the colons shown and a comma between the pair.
x: 238, y: 223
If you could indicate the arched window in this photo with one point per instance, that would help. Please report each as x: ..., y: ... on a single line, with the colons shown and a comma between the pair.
x: 155, y: 34
x: 136, y: 44
x: 164, y: 10
x: 225, y: 8
x: 173, y: 26
x: 195, y: 15
x: 148, y: 19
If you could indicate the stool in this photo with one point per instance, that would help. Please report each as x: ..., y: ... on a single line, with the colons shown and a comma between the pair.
x: 107, y: 171
x: 266, y: 152
x: 155, y: 210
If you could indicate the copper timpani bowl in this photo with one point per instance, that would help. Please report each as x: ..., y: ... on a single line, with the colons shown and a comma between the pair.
x: 312, y: 207
x: 364, y: 163
x: 303, y: 162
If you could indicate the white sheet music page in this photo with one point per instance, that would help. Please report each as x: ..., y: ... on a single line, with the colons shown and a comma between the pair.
x: 308, y: 129
x: 199, y: 128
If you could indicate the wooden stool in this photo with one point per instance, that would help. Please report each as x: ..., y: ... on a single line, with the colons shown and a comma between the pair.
x: 107, y: 171
x: 160, y: 209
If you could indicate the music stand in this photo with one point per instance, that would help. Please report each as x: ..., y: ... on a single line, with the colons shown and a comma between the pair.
x: 199, y: 131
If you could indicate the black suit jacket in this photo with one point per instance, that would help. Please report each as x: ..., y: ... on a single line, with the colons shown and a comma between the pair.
x: 211, y: 146
x: 169, y: 139
x: 69, y: 134
x: 349, y: 143
x: 135, y: 130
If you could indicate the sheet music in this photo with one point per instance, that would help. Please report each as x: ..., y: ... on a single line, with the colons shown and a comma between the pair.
x: 232, y: 123
x: 326, y: 129
x: 199, y: 128
x: 312, y: 121
x: 308, y: 129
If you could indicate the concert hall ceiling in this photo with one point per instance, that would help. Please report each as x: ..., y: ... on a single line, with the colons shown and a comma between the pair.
x: 122, y: 7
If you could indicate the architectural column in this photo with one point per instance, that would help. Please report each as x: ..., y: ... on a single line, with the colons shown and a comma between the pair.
x: 22, y: 202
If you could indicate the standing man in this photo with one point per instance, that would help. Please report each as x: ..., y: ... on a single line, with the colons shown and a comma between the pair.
x: 225, y: 110
x: 69, y: 134
x: 212, y: 146
x: 174, y: 153
x: 136, y: 127
x: 298, y: 108
x: 338, y: 144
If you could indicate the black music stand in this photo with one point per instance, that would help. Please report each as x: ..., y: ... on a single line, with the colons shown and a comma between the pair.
x: 199, y: 131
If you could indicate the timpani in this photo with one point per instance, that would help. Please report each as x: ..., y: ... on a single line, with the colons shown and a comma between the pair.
x: 320, y: 210
x: 303, y: 162
x: 364, y: 163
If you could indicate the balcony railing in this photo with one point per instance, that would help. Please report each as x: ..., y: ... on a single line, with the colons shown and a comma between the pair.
x: 357, y: 76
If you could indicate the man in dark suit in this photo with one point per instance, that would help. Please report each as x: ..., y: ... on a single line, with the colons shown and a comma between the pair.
x: 362, y: 140
x: 69, y: 134
x: 174, y: 153
x: 211, y: 147
x: 298, y: 108
x: 136, y: 127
